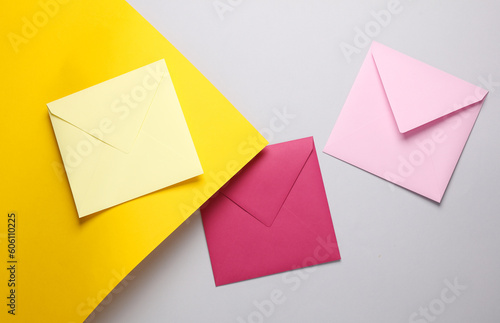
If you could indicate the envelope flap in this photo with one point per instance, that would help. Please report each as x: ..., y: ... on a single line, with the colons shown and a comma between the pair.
x: 113, y: 111
x: 419, y: 93
x: 263, y: 185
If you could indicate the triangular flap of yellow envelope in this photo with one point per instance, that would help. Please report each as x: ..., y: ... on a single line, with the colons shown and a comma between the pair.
x: 114, y: 110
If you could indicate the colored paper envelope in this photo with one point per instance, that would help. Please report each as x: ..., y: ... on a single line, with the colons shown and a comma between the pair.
x: 405, y: 121
x: 273, y: 216
x: 79, y: 261
x: 123, y: 138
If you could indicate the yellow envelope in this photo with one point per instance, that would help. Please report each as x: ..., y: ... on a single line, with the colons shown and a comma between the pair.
x: 66, y: 265
x: 123, y: 138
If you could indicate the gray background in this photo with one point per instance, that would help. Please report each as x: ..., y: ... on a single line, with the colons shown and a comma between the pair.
x: 398, y: 249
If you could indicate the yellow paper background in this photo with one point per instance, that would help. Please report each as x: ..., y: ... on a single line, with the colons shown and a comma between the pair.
x: 65, y: 262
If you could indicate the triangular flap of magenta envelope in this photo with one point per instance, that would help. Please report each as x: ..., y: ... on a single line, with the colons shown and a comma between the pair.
x: 262, y: 186
x: 419, y: 93
x: 113, y: 111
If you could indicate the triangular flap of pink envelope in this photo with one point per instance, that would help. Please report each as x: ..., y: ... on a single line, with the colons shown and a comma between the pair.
x: 262, y: 186
x: 419, y: 93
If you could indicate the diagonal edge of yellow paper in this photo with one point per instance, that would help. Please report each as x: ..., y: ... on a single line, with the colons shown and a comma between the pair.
x: 66, y: 265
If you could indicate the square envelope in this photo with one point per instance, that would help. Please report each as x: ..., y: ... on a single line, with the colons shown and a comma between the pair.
x: 273, y: 216
x: 123, y: 138
x: 406, y: 122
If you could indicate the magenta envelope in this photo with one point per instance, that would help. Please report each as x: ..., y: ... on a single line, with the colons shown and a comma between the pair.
x: 273, y: 216
x: 405, y: 121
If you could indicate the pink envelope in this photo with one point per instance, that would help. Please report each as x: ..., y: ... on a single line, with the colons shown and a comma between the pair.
x: 273, y: 216
x: 405, y: 121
